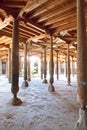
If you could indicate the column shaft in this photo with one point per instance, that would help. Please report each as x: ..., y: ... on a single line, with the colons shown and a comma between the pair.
x: 9, y: 66
x: 81, y: 54
x: 72, y: 67
x: 15, y: 57
x: 45, y: 66
x: 68, y: 65
x: 25, y: 82
x: 57, y: 68
x: 51, y: 87
x: 29, y: 78
x: 15, y: 63
x: 41, y: 66
x: 81, y: 67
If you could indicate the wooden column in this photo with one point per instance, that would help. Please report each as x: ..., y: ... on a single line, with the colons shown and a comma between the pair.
x: 28, y: 67
x: 9, y: 65
x: 45, y: 66
x: 51, y: 81
x: 0, y: 67
x: 65, y: 66
x: 68, y: 65
x: 7, y: 68
x: 81, y: 54
x: 57, y: 68
x: 20, y: 68
x: 81, y: 67
x: 15, y: 63
x: 41, y: 66
x: 25, y: 82
x: 72, y: 67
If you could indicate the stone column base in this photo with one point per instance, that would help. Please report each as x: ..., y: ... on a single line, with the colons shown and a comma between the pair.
x: 29, y: 79
x: 81, y: 124
x: 16, y: 101
x: 51, y: 88
x: 25, y: 84
x: 45, y: 81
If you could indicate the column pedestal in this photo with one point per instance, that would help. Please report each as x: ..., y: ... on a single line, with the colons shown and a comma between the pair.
x: 25, y: 84
x: 81, y: 124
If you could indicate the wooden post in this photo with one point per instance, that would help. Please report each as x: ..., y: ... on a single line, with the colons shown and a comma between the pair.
x: 29, y: 78
x: 20, y: 68
x: 65, y: 66
x: 45, y: 66
x: 51, y: 81
x: 0, y: 67
x: 68, y: 65
x: 25, y: 82
x: 81, y: 67
x: 72, y: 67
x: 9, y: 65
x: 42, y: 66
x: 15, y: 63
x: 57, y: 68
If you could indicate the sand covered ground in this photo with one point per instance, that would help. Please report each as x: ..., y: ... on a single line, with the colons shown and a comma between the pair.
x: 41, y: 109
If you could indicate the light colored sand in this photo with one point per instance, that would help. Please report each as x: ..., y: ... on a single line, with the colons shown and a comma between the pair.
x: 41, y: 110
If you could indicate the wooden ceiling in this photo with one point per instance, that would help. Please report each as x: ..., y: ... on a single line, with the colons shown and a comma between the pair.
x: 38, y: 19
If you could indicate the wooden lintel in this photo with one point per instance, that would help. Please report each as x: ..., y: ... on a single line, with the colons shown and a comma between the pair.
x: 37, y: 37
x: 40, y: 27
x: 63, y: 38
x: 38, y: 44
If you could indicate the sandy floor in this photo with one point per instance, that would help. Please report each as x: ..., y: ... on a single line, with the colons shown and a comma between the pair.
x: 41, y: 110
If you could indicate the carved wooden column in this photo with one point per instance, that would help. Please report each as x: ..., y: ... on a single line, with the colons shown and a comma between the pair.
x: 25, y: 82
x: 15, y: 63
x: 68, y: 65
x: 41, y: 66
x: 7, y: 68
x: 57, y: 68
x: 20, y: 68
x: 0, y: 67
x: 45, y: 66
x: 81, y: 67
x: 9, y: 65
x: 29, y: 78
x: 72, y: 67
x: 65, y: 66
x: 51, y: 81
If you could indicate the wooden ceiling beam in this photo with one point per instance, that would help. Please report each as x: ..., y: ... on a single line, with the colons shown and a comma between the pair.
x: 6, y: 39
x: 37, y: 37
x: 65, y: 26
x: 56, y: 12
x: 38, y: 44
x: 59, y: 24
x: 62, y: 18
x: 9, y: 34
x: 9, y: 11
x: 47, y: 6
x: 63, y: 38
x: 31, y: 5
x: 26, y: 33
x: 30, y: 27
x: 15, y: 4
x: 6, y: 22
x: 38, y: 26
x: 26, y: 30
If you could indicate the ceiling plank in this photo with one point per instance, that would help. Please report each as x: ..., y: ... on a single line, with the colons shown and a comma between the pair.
x: 56, y: 12
x: 49, y: 5
x: 31, y: 5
